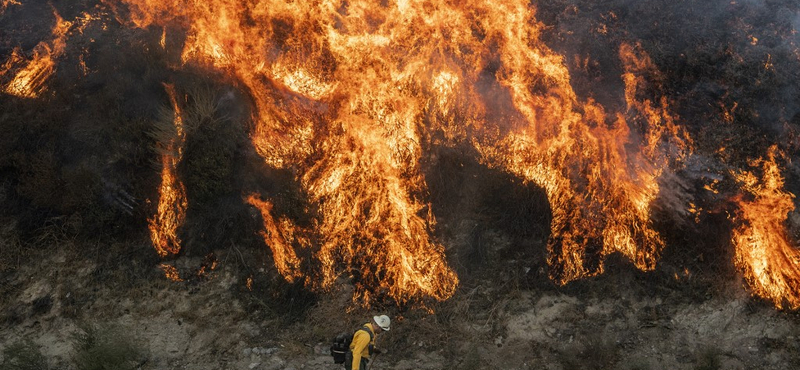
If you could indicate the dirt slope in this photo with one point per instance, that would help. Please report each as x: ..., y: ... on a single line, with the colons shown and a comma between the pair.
x: 217, y: 323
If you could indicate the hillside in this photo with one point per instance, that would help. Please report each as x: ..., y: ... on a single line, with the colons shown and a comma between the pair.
x: 554, y: 184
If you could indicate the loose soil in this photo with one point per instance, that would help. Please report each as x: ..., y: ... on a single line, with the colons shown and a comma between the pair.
x: 622, y: 320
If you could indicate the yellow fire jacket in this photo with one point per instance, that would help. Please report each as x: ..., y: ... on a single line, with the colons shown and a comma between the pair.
x: 360, y: 346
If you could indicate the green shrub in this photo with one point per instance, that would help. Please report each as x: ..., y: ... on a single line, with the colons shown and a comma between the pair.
x: 23, y: 355
x: 106, y: 348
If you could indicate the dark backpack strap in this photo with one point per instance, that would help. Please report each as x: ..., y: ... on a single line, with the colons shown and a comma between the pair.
x: 370, y: 347
x: 366, y: 329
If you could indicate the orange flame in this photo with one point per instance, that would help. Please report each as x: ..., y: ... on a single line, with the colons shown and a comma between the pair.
x: 771, y: 265
x: 4, y: 4
x: 29, y: 81
x: 171, y: 272
x: 279, y: 236
x: 345, y: 94
x: 600, y: 193
x: 207, y: 267
x: 172, y: 202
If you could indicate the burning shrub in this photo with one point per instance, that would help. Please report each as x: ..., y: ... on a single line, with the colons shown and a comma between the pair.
x: 197, y: 138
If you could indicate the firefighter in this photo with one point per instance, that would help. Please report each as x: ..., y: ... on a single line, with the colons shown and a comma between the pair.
x: 363, y: 344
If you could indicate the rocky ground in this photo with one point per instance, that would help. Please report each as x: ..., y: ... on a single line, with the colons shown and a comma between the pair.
x: 622, y: 320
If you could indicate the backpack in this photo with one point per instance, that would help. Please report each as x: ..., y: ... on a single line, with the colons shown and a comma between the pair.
x: 341, y: 344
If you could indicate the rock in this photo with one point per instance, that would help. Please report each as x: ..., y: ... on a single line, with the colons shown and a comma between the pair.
x: 269, y: 351
x: 247, y: 351
x: 321, y: 349
x: 775, y: 332
x: 253, y: 365
x: 406, y: 365
x: 274, y: 363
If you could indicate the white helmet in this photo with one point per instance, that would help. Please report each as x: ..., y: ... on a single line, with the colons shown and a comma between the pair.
x: 382, y: 321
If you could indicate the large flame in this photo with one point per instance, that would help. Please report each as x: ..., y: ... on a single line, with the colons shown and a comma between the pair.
x: 346, y: 93
x: 600, y: 192
x: 172, y: 201
x: 350, y: 96
x: 770, y: 263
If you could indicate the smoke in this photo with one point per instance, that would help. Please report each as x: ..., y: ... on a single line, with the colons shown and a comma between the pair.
x: 743, y: 52
x: 729, y: 69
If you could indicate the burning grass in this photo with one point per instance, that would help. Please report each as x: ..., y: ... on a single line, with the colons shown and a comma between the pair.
x: 402, y: 164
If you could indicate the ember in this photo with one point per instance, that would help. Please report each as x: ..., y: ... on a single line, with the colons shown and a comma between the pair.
x: 171, y: 272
